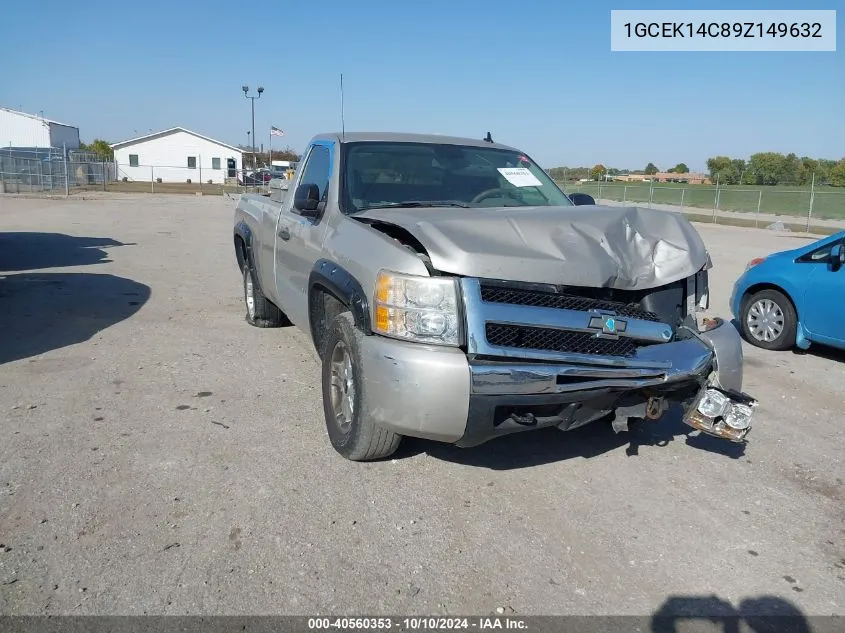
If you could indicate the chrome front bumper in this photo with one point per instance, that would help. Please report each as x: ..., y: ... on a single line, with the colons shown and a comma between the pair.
x: 467, y: 398
x: 698, y: 361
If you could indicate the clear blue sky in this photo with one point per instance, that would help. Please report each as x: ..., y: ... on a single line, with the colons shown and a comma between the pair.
x: 538, y: 74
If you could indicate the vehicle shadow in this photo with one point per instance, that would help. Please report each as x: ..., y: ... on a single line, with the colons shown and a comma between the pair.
x: 34, y: 251
x: 40, y: 312
x: 43, y: 311
x: 763, y: 614
x: 548, y: 445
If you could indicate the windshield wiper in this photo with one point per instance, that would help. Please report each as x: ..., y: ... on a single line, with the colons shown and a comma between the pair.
x: 417, y: 204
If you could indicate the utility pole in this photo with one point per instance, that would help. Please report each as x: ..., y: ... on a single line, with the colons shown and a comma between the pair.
x: 245, y: 88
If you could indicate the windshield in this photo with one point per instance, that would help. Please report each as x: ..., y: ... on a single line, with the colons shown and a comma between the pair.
x: 382, y: 174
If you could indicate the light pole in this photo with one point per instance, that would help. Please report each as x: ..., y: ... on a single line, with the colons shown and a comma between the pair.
x: 245, y: 88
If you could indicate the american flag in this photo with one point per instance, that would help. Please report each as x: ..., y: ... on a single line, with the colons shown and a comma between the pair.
x: 274, y: 131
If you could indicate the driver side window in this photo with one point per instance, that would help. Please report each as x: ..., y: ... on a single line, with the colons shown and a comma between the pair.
x: 318, y: 169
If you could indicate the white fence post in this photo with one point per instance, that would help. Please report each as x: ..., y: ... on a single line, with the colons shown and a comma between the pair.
x: 683, y: 192
x: 759, y: 202
x: 624, y: 193
x: 716, y: 199
x: 812, y: 199
x: 64, y: 161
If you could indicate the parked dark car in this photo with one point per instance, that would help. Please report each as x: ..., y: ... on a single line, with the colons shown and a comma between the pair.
x: 258, y: 177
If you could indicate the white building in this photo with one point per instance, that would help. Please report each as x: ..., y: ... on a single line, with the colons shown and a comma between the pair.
x: 176, y: 155
x: 22, y: 130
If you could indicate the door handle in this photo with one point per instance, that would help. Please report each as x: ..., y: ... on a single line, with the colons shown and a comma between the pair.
x: 284, y: 234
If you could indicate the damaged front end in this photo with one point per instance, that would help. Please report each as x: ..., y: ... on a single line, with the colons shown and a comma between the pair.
x: 565, y: 357
x: 604, y: 326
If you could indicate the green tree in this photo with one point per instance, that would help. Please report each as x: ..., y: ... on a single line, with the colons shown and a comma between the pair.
x: 725, y: 170
x: 597, y: 171
x: 824, y: 168
x: 562, y: 174
x: 837, y: 174
x: 767, y: 168
x: 789, y: 174
x: 680, y: 168
x: 651, y: 169
x: 99, y: 147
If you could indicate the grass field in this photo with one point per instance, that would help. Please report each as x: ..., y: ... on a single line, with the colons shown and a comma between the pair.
x: 828, y: 203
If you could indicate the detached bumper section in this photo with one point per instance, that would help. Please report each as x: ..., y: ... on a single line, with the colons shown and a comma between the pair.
x: 549, y: 365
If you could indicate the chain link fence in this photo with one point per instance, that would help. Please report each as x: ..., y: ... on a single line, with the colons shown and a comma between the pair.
x: 52, y: 170
x: 55, y: 171
x: 755, y: 204
x: 141, y: 178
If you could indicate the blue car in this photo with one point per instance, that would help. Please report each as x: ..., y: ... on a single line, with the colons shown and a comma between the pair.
x: 794, y: 298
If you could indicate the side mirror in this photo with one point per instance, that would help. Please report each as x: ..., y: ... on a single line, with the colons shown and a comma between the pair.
x: 837, y: 256
x: 306, y: 198
x: 580, y: 199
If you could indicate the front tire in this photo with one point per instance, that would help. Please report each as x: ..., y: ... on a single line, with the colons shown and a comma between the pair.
x: 768, y: 320
x: 352, y: 434
x: 260, y: 312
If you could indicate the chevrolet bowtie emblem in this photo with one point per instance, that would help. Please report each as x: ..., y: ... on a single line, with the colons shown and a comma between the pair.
x: 608, y: 326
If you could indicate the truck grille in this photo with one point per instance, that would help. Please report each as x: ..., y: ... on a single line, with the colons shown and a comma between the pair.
x: 493, y: 294
x: 550, y: 339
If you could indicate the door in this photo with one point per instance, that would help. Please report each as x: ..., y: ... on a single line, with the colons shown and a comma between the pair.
x: 824, y: 299
x: 299, y: 239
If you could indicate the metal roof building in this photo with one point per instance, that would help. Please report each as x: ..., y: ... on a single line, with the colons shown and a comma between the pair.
x: 30, y: 131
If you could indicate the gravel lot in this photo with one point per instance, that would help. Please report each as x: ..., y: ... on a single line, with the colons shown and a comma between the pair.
x: 160, y: 456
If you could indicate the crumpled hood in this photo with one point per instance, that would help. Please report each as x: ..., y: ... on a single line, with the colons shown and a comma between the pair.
x: 628, y: 248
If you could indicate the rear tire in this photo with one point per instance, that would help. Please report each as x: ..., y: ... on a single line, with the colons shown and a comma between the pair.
x: 260, y: 312
x: 352, y: 434
x: 768, y: 320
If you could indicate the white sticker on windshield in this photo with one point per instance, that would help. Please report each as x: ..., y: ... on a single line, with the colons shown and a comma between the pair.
x: 520, y: 177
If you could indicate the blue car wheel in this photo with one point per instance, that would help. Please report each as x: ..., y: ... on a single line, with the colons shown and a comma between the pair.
x: 768, y: 320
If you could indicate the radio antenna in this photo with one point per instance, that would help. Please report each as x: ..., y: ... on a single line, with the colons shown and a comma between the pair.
x: 342, y: 122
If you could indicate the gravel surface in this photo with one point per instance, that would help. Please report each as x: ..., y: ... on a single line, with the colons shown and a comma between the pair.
x: 161, y: 456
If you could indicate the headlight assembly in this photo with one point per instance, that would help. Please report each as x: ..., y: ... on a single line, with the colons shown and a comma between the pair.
x: 420, y: 309
x: 722, y: 414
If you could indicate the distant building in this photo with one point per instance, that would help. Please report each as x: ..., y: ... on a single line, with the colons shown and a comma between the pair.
x: 20, y: 130
x: 664, y: 176
x: 177, y: 155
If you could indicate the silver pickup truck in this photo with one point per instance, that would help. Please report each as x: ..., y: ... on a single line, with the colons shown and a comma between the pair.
x: 454, y: 292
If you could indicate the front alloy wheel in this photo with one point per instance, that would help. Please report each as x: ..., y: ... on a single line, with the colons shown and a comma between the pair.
x: 351, y: 430
x: 249, y: 293
x: 765, y: 320
x: 342, y: 387
x: 768, y: 320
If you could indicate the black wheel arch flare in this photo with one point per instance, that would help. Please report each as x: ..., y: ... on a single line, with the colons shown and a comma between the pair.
x: 328, y: 276
x: 243, y: 231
